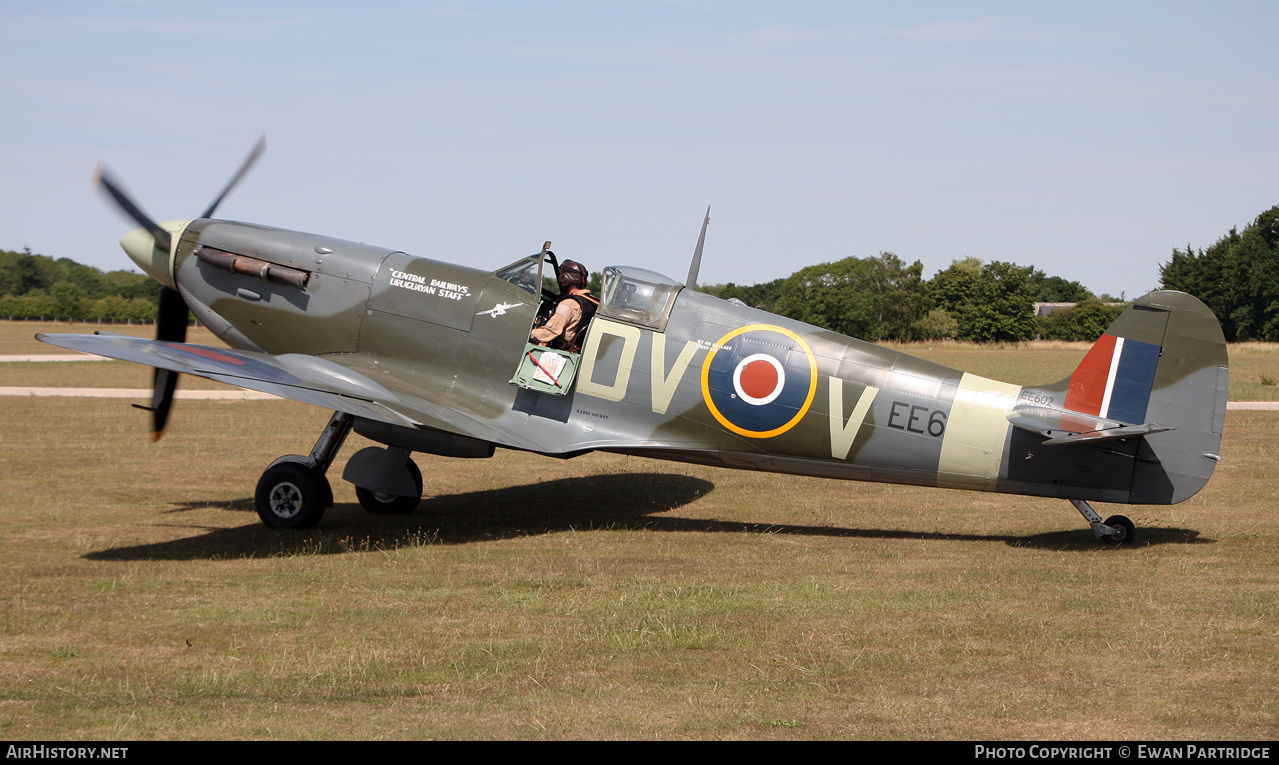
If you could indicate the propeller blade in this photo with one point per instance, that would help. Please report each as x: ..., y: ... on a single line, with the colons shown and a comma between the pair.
x: 170, y: 326
x: 166, y: 382
x: 239, y: 175
x: 171, y: 320
x: 103, y: 179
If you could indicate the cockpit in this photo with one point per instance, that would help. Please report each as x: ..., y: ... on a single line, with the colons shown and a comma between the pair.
x: 627, y: 294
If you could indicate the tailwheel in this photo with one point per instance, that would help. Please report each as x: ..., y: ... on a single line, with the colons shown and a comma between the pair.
x: 291, y: 495
x: 1124, y: 533
x: 1115, y: 530
x: 378, y: 503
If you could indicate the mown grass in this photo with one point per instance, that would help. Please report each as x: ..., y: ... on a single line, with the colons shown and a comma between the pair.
x: 607, y: 597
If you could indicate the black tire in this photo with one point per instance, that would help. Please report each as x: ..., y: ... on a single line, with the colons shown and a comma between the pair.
x: 291, y: 495
x: 1125, y: 531
x: 327, y: 499
x: 390, y: 504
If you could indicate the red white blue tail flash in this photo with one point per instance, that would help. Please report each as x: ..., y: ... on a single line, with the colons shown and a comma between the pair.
x: 1114, y: 380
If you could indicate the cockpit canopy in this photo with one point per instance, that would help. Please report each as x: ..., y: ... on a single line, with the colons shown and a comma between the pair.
x: 525, y: 273
x: 638, y: 296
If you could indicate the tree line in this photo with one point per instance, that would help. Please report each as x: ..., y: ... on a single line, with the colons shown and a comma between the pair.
x: 883, y: 298
x: 40, y: 287
x: 873, y: 298
x: 1238, y: 278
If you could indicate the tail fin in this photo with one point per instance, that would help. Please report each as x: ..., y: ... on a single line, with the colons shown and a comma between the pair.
x: 1162, y: 363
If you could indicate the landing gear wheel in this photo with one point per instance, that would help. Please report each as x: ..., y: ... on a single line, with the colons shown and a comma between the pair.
x: 377, y: 503
x: 298, y: 459
x: 291, y: 495
x: 1125, y: 532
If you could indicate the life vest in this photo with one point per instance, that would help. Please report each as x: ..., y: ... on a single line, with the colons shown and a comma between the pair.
x: 589, y: 305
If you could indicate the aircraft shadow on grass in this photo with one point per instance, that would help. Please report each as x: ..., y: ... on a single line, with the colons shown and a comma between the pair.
x: 624, y: 501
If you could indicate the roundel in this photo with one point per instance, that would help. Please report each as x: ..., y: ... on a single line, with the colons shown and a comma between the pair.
x: 759, y: 380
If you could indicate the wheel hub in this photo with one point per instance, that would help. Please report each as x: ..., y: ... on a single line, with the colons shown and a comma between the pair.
x: 286, y: 500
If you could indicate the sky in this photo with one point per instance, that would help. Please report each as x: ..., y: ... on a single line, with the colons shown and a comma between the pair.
x: 1086, y: 139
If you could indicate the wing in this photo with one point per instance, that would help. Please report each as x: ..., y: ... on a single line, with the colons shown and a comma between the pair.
x: 309, y: 379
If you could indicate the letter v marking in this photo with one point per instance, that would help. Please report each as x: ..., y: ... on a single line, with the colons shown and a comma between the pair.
x: 842, y: 434
x: 664, y: 387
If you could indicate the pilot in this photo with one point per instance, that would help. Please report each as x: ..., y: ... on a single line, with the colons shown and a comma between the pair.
x: 572, y: 313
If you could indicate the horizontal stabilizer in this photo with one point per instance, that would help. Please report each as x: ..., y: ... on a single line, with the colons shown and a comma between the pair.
x: 1063, y: 427
x: 1101, y: 436
x: 1057, y: 422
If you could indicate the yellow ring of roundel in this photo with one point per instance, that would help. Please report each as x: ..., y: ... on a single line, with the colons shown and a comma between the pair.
x: 812, y: 381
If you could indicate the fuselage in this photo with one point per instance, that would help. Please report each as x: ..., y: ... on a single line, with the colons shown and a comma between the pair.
x: 694, y: 379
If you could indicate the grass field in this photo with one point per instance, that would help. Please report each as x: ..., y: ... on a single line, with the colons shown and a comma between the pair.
x: 608, y: 597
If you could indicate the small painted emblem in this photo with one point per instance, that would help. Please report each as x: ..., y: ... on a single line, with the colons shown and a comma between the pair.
x: 498, y: 310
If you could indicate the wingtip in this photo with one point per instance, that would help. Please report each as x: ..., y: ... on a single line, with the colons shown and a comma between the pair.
x: 156, y: 435
x: 97, y: 175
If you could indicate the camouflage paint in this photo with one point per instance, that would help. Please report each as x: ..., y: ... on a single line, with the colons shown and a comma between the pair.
x: 411, y: 341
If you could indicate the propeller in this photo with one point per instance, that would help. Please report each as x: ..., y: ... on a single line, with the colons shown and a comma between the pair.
x: 245, y: 166
x: 170, y: 326
x: 103, y: 179
x: 173, y: 315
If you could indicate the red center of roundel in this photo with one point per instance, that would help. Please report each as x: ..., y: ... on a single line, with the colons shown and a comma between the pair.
x: 759, y: 379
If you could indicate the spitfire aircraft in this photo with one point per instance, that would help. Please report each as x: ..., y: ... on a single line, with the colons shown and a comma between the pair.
x: 421, y: 355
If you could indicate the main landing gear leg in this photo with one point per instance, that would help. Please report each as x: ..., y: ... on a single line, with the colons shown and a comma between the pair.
x: 293, y: 492
x: 1116, y: 529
